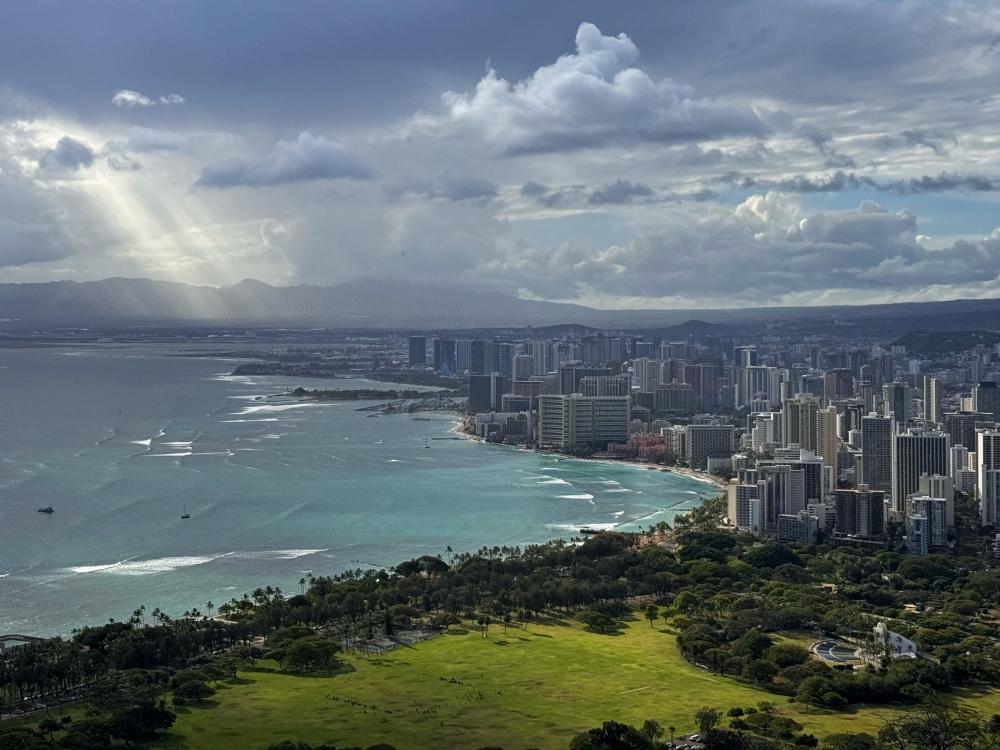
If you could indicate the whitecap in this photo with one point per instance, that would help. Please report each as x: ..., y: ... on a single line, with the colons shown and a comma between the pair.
x: 236, y: 421
x: 553, y: 481
x: 133, y: 567
x: 277, y: 554
x: 273, y: 408
x: 581, y: 496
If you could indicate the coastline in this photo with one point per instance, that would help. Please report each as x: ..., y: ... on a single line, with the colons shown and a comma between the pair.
x: 459, y: 428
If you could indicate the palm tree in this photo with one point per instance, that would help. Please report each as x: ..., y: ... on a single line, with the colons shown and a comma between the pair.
x: 210, y: 607
x: 302, y: 586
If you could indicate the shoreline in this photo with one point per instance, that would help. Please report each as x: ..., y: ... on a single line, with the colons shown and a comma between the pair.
x: 683, y: 471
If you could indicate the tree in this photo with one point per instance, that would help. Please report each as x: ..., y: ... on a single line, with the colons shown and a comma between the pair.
x: 87, y: 734
x: 140, y: 721
x: 193, y: 691
x: 47, y: 726
x: 849, y: 742
x: 611, y: 735
x: 708, y: 718
x: 652, y: 729
x: 652, y: 612
x: 309, y: 654
x: 933, y: 726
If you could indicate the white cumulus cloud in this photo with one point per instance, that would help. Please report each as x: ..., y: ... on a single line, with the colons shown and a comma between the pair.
x: 594, y: 97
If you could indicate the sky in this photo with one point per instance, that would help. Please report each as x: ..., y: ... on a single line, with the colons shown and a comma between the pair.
x: 619, y: 155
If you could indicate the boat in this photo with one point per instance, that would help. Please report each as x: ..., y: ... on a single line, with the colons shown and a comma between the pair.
x: 47, y: 509
x: 185, y: 514
x: 427, y: 443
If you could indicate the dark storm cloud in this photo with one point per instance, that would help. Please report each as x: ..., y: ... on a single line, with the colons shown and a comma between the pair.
x: 21, y: 244
x: 620, y: 191
x: 306, y: 158
x: 68, y: 155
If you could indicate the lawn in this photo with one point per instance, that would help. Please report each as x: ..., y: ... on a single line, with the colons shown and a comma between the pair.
x: 534, y: 688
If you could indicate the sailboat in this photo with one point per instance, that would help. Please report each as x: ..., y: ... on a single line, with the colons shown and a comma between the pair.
x: 47, y: 509
x: 427, y: 443
x: 185, y: 514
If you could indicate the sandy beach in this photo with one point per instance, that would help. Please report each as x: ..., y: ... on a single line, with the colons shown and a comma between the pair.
x: 700, y: 476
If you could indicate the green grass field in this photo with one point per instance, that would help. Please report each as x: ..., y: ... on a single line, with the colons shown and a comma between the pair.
x: 521, y: 690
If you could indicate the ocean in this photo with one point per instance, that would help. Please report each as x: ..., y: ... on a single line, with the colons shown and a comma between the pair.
x: 123, y: 439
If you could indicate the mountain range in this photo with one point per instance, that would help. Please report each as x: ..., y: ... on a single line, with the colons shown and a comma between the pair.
x: 369, y: 303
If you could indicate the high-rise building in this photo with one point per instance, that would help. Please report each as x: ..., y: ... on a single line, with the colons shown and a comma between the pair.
x: 759, y: 385
x: 988, y: 462
x: 463, y: 355
x: 860, y: 512
x: 745, y: 509
x: 986, y: 398
x: 798, y: 420
x: 536, y: 350
x: 444, y: 355
x: 570, y: 376
x: 932, y: 400
x: 876, y: 452
x: 828, y: 443
x: 486, y: 392
x: 418, y: 351
x: 961, y: 426
x: 571, y: 422
x: 522, y: 366
x: 926, y: 530
x: 606, y: 385
x: 477, y: 356
x: 705, y: 441
x: 897, y: 402
x: 914, y: 453
x: 937, y: 485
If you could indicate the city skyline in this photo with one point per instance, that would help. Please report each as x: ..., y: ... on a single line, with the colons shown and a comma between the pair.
x: 835, y: 153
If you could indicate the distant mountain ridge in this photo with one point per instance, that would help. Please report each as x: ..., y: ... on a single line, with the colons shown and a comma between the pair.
x: 369, y: 303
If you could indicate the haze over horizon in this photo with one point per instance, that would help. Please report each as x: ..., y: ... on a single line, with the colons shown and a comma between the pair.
x: 663, y: 156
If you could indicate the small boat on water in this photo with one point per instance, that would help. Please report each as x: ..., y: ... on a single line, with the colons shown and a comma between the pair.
x: 185, y: 514
x: 47, y: 509
x: 427, y: 443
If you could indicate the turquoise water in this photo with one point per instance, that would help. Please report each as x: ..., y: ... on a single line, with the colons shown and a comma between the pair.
x: 121, y: 440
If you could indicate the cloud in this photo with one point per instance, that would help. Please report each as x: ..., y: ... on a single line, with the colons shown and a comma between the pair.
x: 69, y: 155
x: 766, y: 249
x: 594, y: 97
x: 910, y: 138
x: 22, y: 244
x: 840, y: 181
x: 823, y: 142
x: 620, y: 191
x: 153, y: 139
x: 306, y: 158
x: 130, y: 98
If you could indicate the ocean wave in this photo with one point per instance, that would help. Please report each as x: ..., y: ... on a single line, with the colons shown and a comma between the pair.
x: 553, y: 481
x: 581, y: 496
x: 275, y: 408
x: 168, y: 455
x: 621, y: 490
x: 132, y: 567
x: 277, y: 554
x: 240, y: 421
